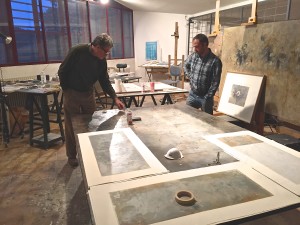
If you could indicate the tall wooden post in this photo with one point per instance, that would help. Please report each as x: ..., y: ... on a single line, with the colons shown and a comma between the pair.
x: 176, y: 35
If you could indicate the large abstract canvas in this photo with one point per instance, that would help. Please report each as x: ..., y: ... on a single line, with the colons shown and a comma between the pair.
x: 240, y: 95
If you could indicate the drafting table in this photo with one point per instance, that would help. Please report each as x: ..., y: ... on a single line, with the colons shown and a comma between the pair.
x: 201, y: 137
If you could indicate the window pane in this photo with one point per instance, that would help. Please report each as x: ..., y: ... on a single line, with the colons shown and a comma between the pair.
x: 55, y: 29
x: 115, y: 31
x: 128, y: 34
x: 97, y: 19
x: 28, y: 33
x: 5, y: 50
x: 78, y: 22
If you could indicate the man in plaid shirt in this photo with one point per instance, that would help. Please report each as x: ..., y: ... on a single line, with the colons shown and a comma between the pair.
x: 204, y: 69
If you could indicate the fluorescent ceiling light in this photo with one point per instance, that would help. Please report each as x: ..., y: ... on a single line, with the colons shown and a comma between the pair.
x: 104, y: 1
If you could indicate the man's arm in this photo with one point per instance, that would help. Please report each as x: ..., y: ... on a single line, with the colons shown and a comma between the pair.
x: 187, y: 66
x: 216, y: 76
x: 64, y: 69
x: 107, y: 88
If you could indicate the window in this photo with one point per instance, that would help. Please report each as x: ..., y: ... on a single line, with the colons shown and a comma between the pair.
x: 128, y: 34
x: 98, y: 21
x: 115, y: 30
x: 44, y: 30
x: 6, y: 51
x: 267, y: 11
x: 78, y: 22
x: 28, y: 34
x: 55, y: 29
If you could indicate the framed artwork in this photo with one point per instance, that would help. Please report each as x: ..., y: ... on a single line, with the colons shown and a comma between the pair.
x: 116, y: 155
x: 220, y: 194
x: 151, y: 50
x: 274, y: 160
x: 240, y: 95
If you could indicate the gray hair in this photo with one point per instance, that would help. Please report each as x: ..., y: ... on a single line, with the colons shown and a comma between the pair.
x: 103, y: 40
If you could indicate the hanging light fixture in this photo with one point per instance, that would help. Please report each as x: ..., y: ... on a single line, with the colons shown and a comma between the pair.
x: 6, y: 38
x: 104, y: 1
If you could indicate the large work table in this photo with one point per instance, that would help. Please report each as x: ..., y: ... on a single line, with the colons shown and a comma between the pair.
x: 233, y: 173
x: 133, y: 91
x: 37, y: 103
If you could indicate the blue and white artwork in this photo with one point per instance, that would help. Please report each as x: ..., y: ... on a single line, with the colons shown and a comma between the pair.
x: 151, y: 50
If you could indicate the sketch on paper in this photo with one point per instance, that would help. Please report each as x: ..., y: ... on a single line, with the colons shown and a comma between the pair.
x: 238, y: 95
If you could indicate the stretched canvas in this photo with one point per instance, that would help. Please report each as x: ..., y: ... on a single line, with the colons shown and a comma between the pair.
x: 240, y: 95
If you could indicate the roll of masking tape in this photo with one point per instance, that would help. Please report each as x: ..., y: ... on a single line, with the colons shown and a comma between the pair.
x: 185, y: 198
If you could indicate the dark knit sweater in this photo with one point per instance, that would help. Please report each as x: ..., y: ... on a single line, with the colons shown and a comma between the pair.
x: 80, y: 70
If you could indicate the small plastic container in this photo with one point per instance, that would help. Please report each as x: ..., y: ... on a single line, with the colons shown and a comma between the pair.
x: 129, y: 117
x: 152, y: 84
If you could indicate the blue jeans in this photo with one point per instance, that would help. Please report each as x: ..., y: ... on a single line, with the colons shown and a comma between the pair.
x: 197, y: 102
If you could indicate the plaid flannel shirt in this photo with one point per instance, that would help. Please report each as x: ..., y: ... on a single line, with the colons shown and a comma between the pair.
x: 204, y: 74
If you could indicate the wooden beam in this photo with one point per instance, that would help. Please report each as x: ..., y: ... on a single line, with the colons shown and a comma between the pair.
x: 253, y: 18
x: 217, y: 26
x: 176, y: 35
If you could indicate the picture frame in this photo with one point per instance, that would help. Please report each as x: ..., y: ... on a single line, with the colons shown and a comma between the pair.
x: 240, y: 95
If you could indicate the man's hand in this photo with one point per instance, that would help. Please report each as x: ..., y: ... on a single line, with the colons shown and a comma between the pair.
x: 119, y: 103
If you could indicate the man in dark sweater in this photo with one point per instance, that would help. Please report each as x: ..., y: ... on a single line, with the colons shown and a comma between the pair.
x: 82, y: 67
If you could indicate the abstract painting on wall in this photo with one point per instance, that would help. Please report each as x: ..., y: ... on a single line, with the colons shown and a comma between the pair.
x: 240, y: 95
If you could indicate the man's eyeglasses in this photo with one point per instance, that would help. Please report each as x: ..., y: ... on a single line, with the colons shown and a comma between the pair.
x: 107, y: 52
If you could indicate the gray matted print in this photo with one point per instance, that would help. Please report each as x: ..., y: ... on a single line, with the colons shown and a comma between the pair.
x: 240, y: 140
x: 116, y: 154
x: 156, y: 203
x: 274, y: 160
x: 238, y: 95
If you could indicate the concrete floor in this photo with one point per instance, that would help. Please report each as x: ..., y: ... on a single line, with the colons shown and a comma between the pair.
x: 38, y: 187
